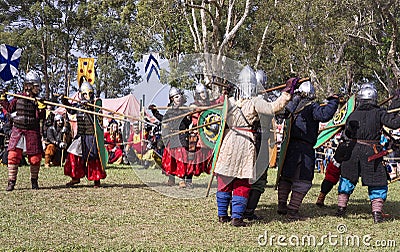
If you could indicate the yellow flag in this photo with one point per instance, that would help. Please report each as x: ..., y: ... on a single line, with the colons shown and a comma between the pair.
x: 86, y: 69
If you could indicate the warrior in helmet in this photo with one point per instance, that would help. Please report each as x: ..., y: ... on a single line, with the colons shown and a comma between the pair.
x: 83, y: 155
x: 175, y: 156
x: 25, y: 133
x: 263, y: 138
x: 58, y: 137
x: 363, y: 128
x: 235, y: 167
x: 199, y: 153
x: 298, y: 168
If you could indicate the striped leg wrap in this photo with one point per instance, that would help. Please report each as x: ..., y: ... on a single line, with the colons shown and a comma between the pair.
x: 12, y: 172
x: 35, y: 171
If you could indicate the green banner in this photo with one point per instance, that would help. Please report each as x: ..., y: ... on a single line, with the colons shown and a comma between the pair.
x: 337, y: 122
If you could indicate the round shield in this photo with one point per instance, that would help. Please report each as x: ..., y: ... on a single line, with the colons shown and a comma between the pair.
x: 209, y: 134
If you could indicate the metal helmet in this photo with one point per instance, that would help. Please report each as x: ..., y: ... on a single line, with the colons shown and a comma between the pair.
x: 368, y: 85
x: 261, y: 77
x: 368, y: 93
x: 247, y: 86
x: 200, y: 88
x: 32, y: 78
x: 86, y: 88
x: 58, y: 118
x: 174, y: 91
x: 306, y: 89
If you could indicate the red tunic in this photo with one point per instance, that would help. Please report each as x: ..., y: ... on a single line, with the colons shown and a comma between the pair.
x: 111, y: 143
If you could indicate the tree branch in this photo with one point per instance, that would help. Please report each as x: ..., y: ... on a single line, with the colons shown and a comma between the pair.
x: 230, y: 34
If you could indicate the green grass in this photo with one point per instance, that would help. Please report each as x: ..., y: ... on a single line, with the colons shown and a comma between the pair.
x: 127, y: 215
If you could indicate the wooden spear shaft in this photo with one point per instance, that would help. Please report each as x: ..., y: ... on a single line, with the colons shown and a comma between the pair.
x: 194, y: 128
x: 386, y: 100
x: 112, y: 111
x: 64, y: 106
x: 196, y: 110
x: 281, y: 86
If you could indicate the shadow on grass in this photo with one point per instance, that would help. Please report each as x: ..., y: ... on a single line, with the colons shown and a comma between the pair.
x: 359, y: 209
x: 104, y: 185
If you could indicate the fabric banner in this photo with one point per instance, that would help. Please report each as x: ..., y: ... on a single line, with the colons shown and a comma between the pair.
x: 151, y: 65
x: 9, y: 61
x: 86, y: 70
x: 337, y: 122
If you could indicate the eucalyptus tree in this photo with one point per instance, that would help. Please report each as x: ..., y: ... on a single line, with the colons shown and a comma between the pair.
x: 378, y: 34
x: 46, y: 31
x: 32, y: 22
x: 107, y: 40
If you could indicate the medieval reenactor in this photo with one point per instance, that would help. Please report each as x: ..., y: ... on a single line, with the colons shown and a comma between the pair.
x: 297, y: 171
x: 175, y: 156
x: 200, y: 154
x: 363, y: 128
x: 262, y: 129
x: 25, y: 133
x: 138, y: 148
x: 58, y: 138
x: 235, y: 167
x: 83, y: 154
x: 113, y: 140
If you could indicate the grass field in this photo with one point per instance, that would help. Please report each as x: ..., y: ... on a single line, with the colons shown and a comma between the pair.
x: 127, y: 215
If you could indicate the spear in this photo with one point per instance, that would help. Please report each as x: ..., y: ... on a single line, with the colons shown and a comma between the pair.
x: 386, y: 100
x: 182, y: 108
x: 283, y: 85
x: 193, y: 128
x: 112, y: 111
x: 394, y: 180
x: 64, y: 106
x: 196, y: 110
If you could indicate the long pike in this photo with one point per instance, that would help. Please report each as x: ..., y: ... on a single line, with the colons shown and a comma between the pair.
x: 114, y: 112
x: 66, y: 107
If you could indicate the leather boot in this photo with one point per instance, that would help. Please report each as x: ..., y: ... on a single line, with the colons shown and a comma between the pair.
x: 11, y: 185
x: 224, y: 219
x: 341, y: 212
x: 378, y: 217
x: 238, y: 222
x: 321, y: 199
x: 293, y: 215
x: 96, y: 183
x: 252, y: 203
x: 35, y: 185
x: 73, y: 182
x: 282, y: 208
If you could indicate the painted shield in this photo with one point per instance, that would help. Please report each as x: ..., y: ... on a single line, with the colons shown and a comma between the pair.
x: 337, y: 122
x: 209, y: 134
x: 99, y: 131
x: 284, y: 145
x: 218, y: 143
